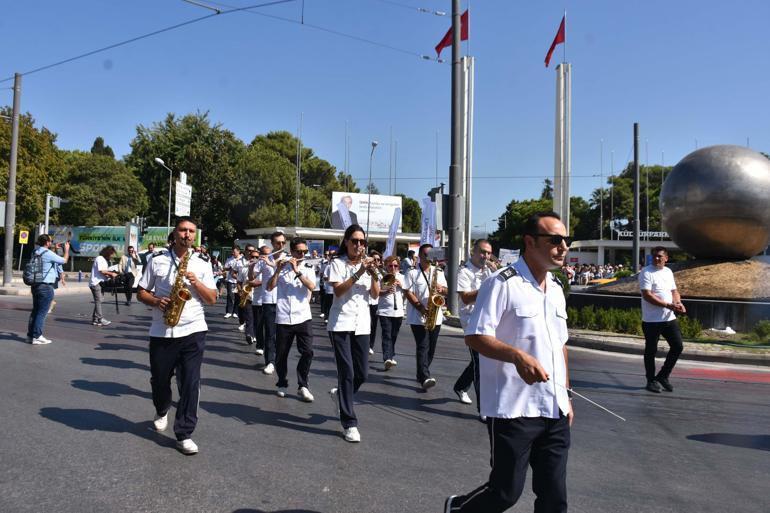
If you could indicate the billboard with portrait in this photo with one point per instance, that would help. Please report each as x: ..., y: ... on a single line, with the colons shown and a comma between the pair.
x: 352, y: 208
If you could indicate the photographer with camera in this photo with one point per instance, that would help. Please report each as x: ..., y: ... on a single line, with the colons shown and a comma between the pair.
x: 43, y: 286
x: 99, y: 273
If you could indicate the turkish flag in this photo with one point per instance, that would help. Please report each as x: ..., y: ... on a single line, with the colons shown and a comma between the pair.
x: 557, y: 40
x: 447, y: 39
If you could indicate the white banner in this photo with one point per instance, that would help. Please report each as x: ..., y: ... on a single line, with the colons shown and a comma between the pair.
x: 509, y: 256
x: 183, y: 197
x: 390, y: 249
x: 428, y: 224
x: 352, y: 208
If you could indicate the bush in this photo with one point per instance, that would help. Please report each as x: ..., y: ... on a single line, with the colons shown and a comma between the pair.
x: 625, y: 273
x: 587, y: 317
x: 605, y: 320
x: 761, y: 331
x: 689, y: 326
x: 562, y: 279
x: 572, y: 317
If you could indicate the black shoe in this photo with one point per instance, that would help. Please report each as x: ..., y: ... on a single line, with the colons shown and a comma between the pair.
x: 654, y: 386
x: 665, y: 384
x: 448, y: 503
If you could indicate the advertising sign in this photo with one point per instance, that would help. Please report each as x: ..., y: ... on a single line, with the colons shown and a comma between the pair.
x: 88, y: 241
x: 183, y: 198
x: 509, y: 256
x: 351, y: 208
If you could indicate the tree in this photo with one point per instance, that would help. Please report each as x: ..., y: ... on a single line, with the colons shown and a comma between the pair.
x: 39, y: 169
x: 99, y: 148
x: 208, y: 154
x: 372, y: 188
x: 100, y: 191
x: 547, y: 192
x: 511, y: 222
x: 411, y: 215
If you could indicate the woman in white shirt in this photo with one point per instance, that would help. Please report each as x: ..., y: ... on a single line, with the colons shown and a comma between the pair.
x: 390, y: 310
x: 349, y: 322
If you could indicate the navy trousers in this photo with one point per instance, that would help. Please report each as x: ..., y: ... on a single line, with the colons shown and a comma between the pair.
x: 351, y: 352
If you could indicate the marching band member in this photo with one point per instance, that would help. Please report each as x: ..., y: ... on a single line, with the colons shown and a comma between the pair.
x: 256, y: 306
x: 231, y: 281
x: 246, y: 312
x: 390, y: 310
x: 469, y: 279
x: 519, y: 326
x: 179, y: 349
x: 350, y: 323
x: 294, y: 283
x: 417, y: 287
x: 266, y: 269
x: 327, y: 294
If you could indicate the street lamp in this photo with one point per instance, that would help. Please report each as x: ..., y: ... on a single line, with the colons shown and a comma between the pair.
x: 369, y: 202
x: 170, y: 174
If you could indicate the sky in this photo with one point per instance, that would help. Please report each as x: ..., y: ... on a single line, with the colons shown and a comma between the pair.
x: 691, y: 73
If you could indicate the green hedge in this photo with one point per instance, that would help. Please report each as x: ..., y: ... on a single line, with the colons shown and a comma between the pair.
x: 625, y: 320
x: 761, y: 332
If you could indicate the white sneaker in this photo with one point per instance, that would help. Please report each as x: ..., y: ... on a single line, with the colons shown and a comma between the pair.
x: 464, y: 397
x: 282, y: 391
x: 160, y: 422
x: 393, y: 362
x: 242, y: 327
x: 40, y: 341
x: 227, y: 316
x: 352, y: 435
x: 388, y: 364
x: 269, y: 369
x: 305, y: 395
x: 259, y: 351
x: 187, y: 446
x: 321, y: 315
x: 429, y: 383
x: 371, y: 351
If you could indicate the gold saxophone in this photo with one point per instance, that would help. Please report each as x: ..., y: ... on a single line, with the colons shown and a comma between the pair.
x: 245, y: 294
x: 179, y: 294
x: 435, y: 302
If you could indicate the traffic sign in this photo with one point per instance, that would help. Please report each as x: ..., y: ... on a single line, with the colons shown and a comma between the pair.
x: 23, y: 237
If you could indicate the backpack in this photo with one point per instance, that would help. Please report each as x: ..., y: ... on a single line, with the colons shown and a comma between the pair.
x: 33, y: 271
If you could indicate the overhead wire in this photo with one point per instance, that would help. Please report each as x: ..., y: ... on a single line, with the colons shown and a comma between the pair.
x: 145, y: 36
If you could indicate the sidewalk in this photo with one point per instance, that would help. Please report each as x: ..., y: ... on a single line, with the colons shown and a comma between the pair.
x: 73, y: 286
x: 633, y: 344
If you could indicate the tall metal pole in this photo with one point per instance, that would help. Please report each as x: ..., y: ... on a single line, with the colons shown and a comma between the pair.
x: 455, y: 166
x: 299, y: 164
x: 635, y: 258
x: 369, y: 201
x: 10, y: 202
x: 601, y: 190
x: 47, y: 210
x: 612, y: 194
x: 168, y: 220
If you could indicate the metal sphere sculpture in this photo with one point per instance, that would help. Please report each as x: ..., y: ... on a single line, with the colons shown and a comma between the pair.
x: 715, y: 203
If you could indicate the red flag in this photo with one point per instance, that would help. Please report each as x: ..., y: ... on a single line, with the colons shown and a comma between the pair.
x: 447, y: 39
x: 558, y: 39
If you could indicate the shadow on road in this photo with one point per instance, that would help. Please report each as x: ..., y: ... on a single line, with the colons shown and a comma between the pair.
x: 276, y: 511
x: 7, y: 335
x: 105, y: 346
x: 576, y: 383
x: 761, y: 442
x: 95, y: 420
x: 118, y: 364
x: 253, y: 415
x: 109, y: 388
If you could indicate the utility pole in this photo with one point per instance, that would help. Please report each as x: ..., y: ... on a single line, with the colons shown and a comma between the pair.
x: 10, y: 202
x: 455, y: 167
x: 635, y: 259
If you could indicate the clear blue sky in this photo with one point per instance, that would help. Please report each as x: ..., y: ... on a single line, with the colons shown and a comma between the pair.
x: 686, y: 70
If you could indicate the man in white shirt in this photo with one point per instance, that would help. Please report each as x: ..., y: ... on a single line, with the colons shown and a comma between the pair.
x: 100, y: 272
x: 519, y: 328
x: 232, y: 266
x: 660, y: 302
x: 417, y: 289
x: 294, y: 283
x: 246, y: 313
x: 178, y: 349
x: 266, y: 268
x: 469, y: 279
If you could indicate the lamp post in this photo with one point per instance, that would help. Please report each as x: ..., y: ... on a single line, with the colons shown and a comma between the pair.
x: 170, y: 174
x: 369, y: 201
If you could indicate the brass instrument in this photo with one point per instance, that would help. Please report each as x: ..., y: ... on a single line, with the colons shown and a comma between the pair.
x: 245, y: 294
x: 435, y: 302
x: 180, y: 294
x: 388, y: 280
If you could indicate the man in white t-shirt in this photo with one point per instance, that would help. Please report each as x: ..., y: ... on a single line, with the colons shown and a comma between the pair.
x: 177, y: 349
x: 660, y: 303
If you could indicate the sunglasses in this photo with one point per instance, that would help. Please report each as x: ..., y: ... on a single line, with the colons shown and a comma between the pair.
x: 393, y: 265
x: 301, y: 251
x: 357, y: 242
x: 556, y: 240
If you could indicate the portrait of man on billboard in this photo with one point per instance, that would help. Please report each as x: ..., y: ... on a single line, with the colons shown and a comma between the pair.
x: 343, y: 217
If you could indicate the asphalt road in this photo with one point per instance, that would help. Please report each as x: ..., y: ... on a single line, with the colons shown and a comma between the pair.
x: 76, y: 418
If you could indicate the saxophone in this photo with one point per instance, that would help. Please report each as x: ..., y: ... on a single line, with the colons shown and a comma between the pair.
x: 435, y: 302
x: 245, y: 294
x: 179, y: 294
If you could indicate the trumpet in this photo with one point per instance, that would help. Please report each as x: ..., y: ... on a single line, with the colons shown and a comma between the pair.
x: 388, y: 280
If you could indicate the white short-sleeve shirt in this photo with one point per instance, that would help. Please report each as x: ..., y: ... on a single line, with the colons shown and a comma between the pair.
x: 234, y: 264
x: 350, y: 311
x: 418, y: 281
x: 391, y: 305
x: 328, y: 289
x: 293, y: 298
x: 100, y: 265
x: 512, y: 308
x: 661, y: 283
x: 159, y: 277
x: 266, y: 297
x: 469, y: 278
